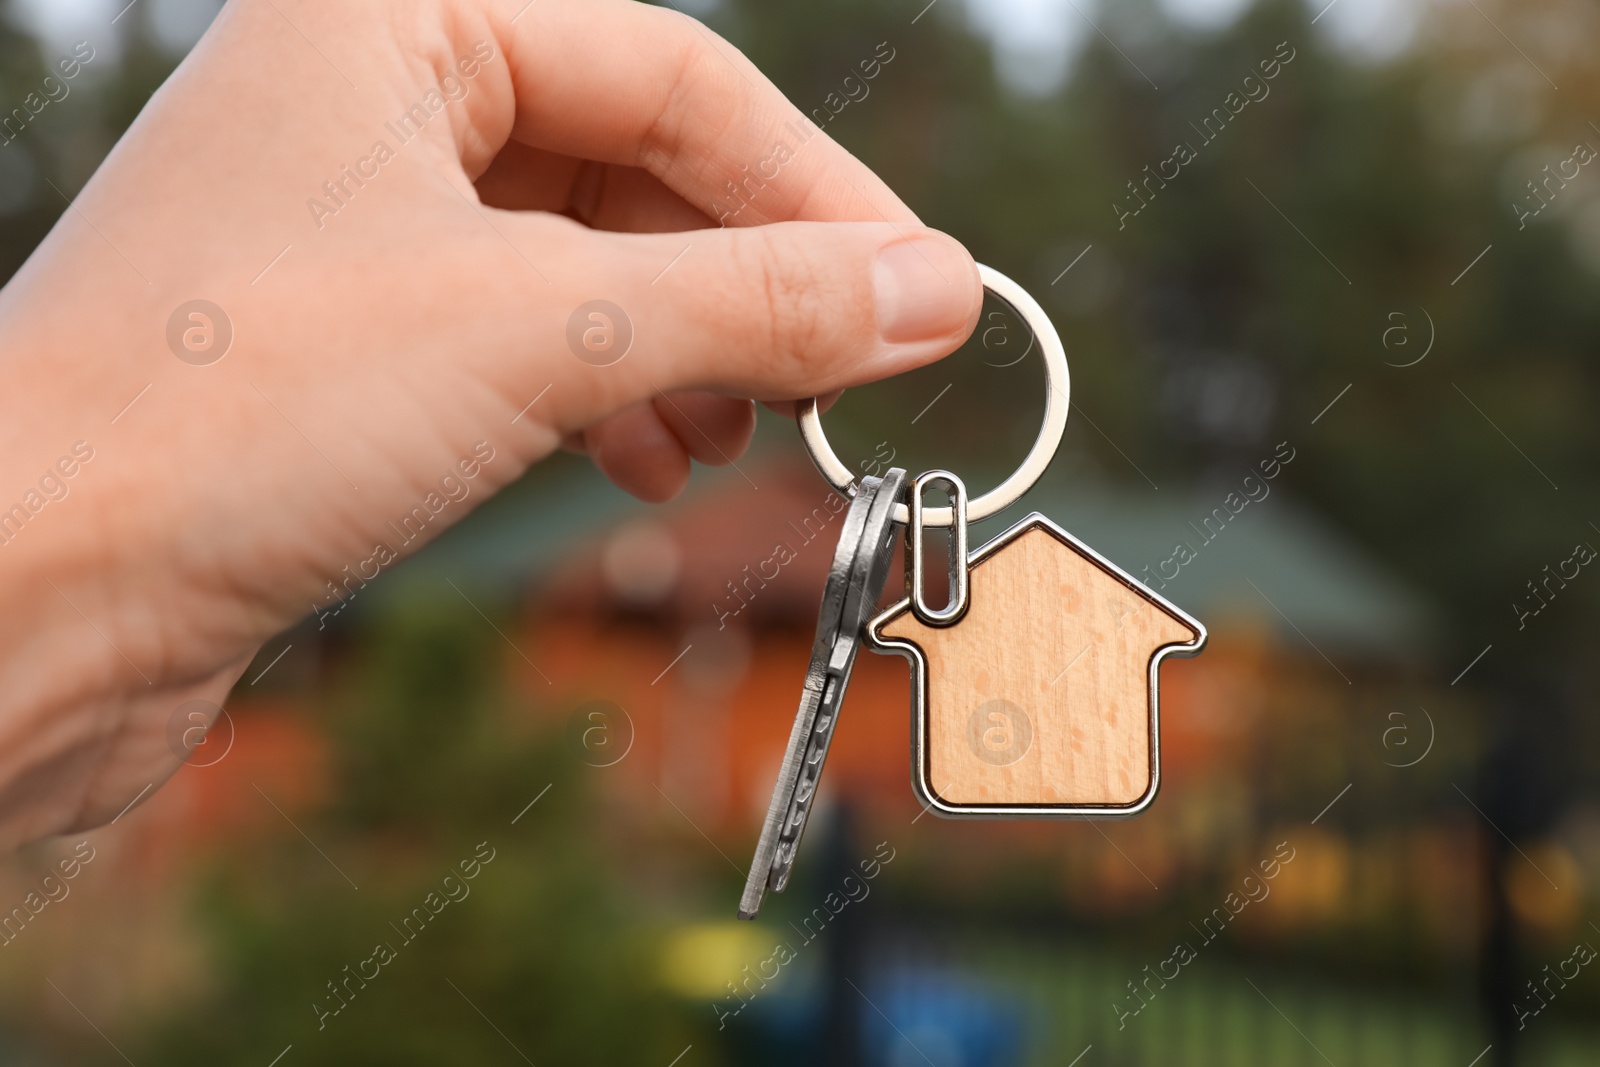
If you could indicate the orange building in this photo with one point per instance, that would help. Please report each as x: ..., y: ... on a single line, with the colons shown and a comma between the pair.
x: 685, y: 632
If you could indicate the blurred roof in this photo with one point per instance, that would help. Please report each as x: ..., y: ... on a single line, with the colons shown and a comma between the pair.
x: 1275, y: 564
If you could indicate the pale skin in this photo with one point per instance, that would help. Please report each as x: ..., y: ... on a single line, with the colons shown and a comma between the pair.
x: 593, y: 145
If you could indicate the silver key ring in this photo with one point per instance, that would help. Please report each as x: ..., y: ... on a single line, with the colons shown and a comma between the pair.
x: 1058, y: 388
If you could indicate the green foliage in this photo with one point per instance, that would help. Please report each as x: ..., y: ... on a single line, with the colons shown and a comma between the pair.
x: 427, y: 776
x: 1211, y: 278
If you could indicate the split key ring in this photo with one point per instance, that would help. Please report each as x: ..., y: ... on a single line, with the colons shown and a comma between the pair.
x: 1002, y: 496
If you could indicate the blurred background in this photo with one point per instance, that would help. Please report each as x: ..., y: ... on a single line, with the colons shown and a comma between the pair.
x: 1378, y: 838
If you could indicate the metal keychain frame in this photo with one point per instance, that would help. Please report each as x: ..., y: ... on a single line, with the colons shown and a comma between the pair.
x: 1058, y: 392
x: 921, y: 785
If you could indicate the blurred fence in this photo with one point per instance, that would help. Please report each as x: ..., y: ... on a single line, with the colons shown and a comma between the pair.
x: 973, y: 1002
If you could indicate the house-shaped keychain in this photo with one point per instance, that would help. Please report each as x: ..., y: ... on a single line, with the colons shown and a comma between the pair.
x: 1041, y: 700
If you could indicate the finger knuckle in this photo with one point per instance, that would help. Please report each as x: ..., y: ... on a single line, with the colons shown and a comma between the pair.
x: 686, y: 41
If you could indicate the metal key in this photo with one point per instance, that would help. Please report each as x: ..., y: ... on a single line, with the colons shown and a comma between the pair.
x: 855, y: 582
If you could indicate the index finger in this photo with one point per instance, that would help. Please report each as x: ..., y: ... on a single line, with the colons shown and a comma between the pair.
x: 623, y: 82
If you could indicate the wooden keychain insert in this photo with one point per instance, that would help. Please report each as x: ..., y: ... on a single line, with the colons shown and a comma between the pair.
x: 1042, y: 701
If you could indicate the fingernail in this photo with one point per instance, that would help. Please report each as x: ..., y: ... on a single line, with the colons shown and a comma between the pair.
x: 924, y: 289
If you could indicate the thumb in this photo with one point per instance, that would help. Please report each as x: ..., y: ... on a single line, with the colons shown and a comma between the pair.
x: 779, y: 311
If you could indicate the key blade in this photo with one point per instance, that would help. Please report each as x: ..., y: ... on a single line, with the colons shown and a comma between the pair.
x: 855, y: 583
x: 829, y: 617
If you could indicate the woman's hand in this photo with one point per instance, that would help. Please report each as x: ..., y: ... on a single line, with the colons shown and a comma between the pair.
x: 429, y: 242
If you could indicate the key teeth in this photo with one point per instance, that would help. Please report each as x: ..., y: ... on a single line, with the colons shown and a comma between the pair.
x: 854, y: 585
